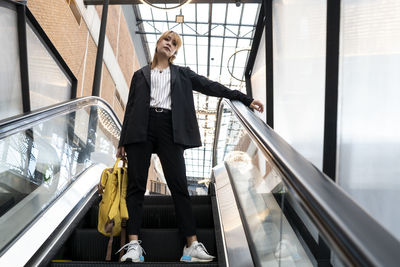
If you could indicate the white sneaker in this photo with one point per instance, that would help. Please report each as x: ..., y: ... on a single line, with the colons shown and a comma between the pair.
x: 196, y: 253
x: 134, y: 251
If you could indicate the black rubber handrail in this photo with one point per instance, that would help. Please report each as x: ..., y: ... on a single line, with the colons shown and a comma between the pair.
x: 356, y: 237
x: 13, y: 124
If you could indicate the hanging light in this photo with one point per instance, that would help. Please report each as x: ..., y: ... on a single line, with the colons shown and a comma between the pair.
x: 179, y: 18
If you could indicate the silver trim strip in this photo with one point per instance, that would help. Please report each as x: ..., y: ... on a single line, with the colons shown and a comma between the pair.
x: 237, y: 251
x: 40, y: 257
x: 220, y: 220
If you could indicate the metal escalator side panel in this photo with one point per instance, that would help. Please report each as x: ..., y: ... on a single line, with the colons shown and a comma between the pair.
x: 41, y: 160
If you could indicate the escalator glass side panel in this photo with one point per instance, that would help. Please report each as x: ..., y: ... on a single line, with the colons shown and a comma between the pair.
x: 265, y: 203
x: 38, y: 164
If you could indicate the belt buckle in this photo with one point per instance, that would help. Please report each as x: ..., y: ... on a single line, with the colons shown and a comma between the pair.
x: 158, y: 109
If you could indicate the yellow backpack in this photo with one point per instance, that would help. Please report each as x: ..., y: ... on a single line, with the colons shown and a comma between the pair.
x: 112, y: 208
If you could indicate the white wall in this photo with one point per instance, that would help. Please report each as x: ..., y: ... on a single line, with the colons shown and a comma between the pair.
x: 299, y: 41
x: 369, y: 111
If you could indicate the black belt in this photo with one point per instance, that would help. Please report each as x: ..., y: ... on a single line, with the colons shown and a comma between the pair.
x: 160, y: 110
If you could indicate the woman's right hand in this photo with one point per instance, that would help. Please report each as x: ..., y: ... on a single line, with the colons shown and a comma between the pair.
x: 257, y: 105
x: 121, y: 152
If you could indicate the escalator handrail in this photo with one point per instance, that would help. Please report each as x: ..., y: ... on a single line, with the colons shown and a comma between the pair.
x: 10, y: 125
x: 356, y: 237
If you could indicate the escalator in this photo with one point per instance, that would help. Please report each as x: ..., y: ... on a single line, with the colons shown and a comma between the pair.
x: 159, y: 234
x: 266, y: 205
x: 52, y: 160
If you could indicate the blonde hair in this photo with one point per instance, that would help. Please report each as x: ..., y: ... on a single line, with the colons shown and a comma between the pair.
x: 178, y: 41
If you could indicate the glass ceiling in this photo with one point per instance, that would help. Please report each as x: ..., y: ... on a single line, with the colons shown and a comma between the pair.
x: 232, y: 30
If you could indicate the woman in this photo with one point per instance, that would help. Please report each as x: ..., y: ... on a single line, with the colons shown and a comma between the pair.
x: 160, y: 118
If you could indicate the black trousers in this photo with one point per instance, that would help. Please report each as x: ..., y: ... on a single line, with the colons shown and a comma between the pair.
x: 160, y: 141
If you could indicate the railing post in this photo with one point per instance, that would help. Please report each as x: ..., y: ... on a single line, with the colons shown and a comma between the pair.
x: 100, y: 51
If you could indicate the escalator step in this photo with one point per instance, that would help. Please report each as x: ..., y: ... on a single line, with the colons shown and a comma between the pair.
x: 164, y: 216
x: 167, y: 200
x: 160, y: 216
x: 112, y: 264
x: 200, y: 205
x: 160, y: 245
x: 90, y: 245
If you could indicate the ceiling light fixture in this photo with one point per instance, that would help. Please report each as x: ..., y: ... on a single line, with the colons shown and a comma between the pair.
x: 179, y: 18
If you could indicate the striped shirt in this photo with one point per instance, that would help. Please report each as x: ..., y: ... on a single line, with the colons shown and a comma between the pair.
x: 160, y: 94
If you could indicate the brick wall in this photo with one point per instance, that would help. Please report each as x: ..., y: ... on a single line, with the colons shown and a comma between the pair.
x: 107, y: 87
x: 70, y: 39
x: 112, y: 24
x: 126, y: 52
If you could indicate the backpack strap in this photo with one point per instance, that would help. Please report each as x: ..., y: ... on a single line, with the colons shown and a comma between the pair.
x: 109, y: 246
x: 116, y: 164
x: 123, y: 237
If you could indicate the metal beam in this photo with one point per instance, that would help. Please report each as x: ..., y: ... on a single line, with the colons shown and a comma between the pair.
x: 135, y: 2
x: 331, y: 89
x: 223, y: 40
x: 269, y: 62
x: 197, y: 45
x: 209, y: 39
x: 194, y: 22
x: 100, y: 50
x: 202, y: 35
x: 257, y: 34
x: 23, y: 56
x: 183, y: 46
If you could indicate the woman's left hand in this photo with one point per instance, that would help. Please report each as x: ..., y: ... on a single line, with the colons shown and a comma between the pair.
x: 257, y: 105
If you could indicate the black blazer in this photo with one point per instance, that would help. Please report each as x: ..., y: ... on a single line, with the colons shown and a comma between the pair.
x: 184, y: 121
